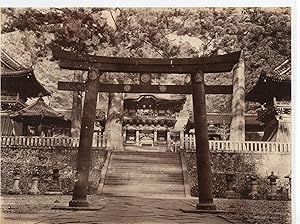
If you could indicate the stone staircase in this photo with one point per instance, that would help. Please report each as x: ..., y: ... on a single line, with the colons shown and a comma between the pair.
x: 145, y: 174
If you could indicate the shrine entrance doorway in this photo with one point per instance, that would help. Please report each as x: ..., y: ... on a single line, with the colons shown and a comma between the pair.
x: 196, y: 67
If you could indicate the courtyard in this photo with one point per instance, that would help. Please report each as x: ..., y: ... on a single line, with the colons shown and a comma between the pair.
x: 37, y: 209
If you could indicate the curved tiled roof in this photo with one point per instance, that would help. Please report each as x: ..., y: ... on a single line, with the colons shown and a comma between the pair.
x: 38, y: 110
x: 276, y: 84
x: 20, y: 79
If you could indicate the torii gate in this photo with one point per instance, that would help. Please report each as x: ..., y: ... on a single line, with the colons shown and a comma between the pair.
x: 96, y: 65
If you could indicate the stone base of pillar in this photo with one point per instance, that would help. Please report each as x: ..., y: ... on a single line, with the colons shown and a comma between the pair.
x: 206, y: 206
x: 14, y: 191
x: 68, y: 208
x: 78, y: 203
x: 34, y: 192
x: 230, y: 195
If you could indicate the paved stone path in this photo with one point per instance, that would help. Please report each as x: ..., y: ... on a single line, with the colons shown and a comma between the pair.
x: 115, y: 210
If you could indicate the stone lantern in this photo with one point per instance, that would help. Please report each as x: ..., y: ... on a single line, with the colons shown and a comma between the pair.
x: 230, y: 192
x: 290, y: 184
x: 55, y: 184
x: 16, y: 189
x: 34, y: 186
x: 273, y: 194
x: 254, y: 188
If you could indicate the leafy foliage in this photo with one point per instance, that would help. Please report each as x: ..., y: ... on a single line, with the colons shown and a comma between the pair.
x: 41, y: 161
x: 263, y: 34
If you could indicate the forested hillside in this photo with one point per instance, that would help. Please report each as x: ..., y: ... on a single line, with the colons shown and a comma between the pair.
x: 264, y: 36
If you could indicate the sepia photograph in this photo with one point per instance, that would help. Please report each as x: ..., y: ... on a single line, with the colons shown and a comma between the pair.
x: 146, y: 115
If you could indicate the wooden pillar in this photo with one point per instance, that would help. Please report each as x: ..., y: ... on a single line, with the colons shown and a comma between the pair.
x: 186, y: 142
x: 155, y: 137
x: 237, y: 128
x: 181, y: 137
x: 85, y: 142
x: 25, y: 129
x: 137, y: 137
x: 168, y: 137
x: 202, y: 149
x: 124, y: 135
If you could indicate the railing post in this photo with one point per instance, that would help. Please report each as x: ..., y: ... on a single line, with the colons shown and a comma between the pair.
x: 186, y: 142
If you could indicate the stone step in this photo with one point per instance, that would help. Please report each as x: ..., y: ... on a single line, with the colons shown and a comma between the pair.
x: 146, y: 160
x: 144, y: 171
x: 151, y: 166
x: 149, y: 154
x: 143, y: 160
x: 144, y: 174
x: 139, y: 181
x: 145, y: 188
x: 147, y: 195
x: 139, y: 175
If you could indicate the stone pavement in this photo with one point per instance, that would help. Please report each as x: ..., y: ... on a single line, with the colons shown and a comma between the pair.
x: 36, y: 210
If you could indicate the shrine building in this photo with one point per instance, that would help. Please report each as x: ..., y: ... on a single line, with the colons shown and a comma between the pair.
x: 273, y: 92
x: 149, y: 120
x: 18, y: 84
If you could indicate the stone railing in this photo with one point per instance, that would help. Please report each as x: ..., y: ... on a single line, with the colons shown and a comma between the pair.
x: 246, y: 146
x: 250, y: 146
x: 189, y: 144
x: 99, y: 141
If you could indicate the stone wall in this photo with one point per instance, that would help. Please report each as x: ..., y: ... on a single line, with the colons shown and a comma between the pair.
x: 242, y: 165
x: 43, y: 160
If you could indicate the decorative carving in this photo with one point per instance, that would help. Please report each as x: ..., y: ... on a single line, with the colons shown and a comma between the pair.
x: 162, y: 89
x: 199, y: 77
x: 127, y: 88
x: 187, y: 79
x: 145, y: 78
x: 93, y: 75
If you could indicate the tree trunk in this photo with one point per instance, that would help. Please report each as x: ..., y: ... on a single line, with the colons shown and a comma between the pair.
x: 237, y: 129
x: 114, y: 121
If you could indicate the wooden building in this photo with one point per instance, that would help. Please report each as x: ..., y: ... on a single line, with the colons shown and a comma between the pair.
x: 149, y: 120
x: 18, y: 84
x: 273, y: 92
x: 39, y: 119
x: 219, y: 126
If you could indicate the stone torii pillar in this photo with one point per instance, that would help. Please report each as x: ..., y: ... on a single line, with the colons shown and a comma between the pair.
x: 202, y: 148
x: 237, y: 128
x: 85, y: 143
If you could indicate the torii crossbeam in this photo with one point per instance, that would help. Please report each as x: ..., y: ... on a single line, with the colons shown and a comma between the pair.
x: 96, y: 65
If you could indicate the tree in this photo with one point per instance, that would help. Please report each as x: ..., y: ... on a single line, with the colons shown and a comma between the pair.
x: 264, y: 35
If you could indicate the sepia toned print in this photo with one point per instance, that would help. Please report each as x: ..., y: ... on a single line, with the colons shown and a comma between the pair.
x: 146, y: 115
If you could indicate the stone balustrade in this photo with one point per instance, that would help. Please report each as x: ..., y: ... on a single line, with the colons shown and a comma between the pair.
x: 240, y: 146
x: 35, y: 141
x: 99, y: 141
